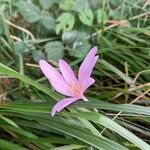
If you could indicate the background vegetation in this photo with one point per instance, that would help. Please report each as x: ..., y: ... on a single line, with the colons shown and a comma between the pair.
x: 117, y: 116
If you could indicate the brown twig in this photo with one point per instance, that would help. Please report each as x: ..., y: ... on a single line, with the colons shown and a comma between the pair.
x: 20, y: 28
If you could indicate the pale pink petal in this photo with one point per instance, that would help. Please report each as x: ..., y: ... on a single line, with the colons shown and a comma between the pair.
x: 87, y: 65
x: 61, y: 88
x: 88, y: 83
x: 95, y: 60
x: 67, y: 72
x: 62, y: 104
x: 55, y: 78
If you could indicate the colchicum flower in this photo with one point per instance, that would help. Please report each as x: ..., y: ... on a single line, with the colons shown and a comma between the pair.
x: 65, y: 81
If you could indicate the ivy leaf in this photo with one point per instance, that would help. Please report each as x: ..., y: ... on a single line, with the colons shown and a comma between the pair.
x: 48, y: 22
x: 101, y: 16
x: 46, y: 4
x: 65, y: 22
x: 86, y: 17
x: 54, y: 50
x: 30, y: 12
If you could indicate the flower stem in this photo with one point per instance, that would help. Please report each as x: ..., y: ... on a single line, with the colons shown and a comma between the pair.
x: 84, y: 98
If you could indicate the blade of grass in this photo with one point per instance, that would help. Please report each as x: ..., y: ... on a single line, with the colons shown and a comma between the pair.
x: 112, y: 125
x: 8, y: 71
x: 10, y: 146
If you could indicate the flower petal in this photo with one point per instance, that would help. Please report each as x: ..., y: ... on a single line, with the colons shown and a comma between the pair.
x: 95, y: 60
x: 55, y: 78
x: 87, y: 65
x: 62, y: 104
x: 67, y: 72
x: 88, y: 83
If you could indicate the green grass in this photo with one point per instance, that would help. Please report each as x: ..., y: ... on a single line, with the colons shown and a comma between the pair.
x: 117, y: 115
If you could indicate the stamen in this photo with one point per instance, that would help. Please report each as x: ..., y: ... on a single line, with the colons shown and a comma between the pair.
x: 75, y: 89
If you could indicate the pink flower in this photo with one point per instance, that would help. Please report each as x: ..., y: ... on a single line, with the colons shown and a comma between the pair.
x: 66, y: 82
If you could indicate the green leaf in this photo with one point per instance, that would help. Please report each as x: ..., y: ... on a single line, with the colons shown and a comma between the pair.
x: 1, y: 26
x: 112, y: 125
x: 101, y: 16
x: 95, y: 4
x: 37, y: 55
x: 94, y: 103
x: 9, y: 121
x: 82, y: 134
x: 80, y: 49
x: 69, y: 37
x: 48, y: 22
x: 86, y: 17
x: 10, y: 146
x: 117, y: 71
x: 66, y: 4
x: 55, y: 50
x: 8, y: 71
x: 46, y: 4
x: 30, y: 11
x: 20, y: 47
x: 69, y: 147
x: 80, y: 5
x: 78, y: 46
x: 20, y: 131
x: 65, y: 22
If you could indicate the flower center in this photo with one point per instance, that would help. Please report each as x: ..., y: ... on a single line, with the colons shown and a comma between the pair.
x: 75, y: 89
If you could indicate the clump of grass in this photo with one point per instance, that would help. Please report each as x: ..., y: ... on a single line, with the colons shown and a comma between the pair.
x: 117, y: 114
